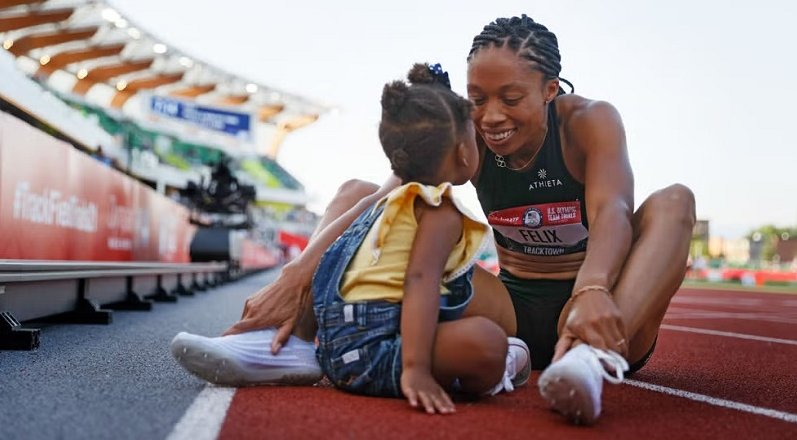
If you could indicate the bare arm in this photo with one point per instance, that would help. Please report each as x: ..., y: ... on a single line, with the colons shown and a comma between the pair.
x: 282, y: 302
x: 438, y: 231
x: 598, y: 132
x: 609, y: 188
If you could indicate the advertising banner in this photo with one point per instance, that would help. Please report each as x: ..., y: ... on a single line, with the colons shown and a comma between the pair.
x: 237, y: 124
x: 57, y: 203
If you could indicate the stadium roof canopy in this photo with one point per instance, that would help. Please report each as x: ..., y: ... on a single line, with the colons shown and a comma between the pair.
x: 89, y: 50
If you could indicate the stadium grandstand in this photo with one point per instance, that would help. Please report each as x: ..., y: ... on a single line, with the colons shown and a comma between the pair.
x: 121, y: 154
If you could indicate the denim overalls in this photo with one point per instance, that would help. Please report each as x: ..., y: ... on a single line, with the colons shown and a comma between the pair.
x: 360, y: 343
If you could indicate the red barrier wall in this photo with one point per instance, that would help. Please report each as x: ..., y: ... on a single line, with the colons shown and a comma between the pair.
x: 57, y: 203
x: 255, y: 256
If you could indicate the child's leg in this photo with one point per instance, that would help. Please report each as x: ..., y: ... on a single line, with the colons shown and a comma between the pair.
x: 472, y: 350
x: 491, y: 300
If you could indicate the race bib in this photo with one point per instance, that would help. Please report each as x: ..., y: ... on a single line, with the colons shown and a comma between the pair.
x: 545, y: 229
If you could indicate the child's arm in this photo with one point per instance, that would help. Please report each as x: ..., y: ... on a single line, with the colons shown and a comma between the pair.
x: 439, y: 229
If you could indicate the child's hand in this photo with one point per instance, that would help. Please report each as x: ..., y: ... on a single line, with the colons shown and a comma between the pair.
x: 418, y: 385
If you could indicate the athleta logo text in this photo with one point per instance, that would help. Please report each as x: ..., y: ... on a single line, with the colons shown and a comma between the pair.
x: 543, y: 182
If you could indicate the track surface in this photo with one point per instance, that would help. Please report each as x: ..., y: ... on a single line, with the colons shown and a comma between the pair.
x: 117, y: 381
x: 736, y: 381
x: 723, y: 368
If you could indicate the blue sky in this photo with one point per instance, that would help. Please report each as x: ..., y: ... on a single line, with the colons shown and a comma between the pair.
x: 706, y: 89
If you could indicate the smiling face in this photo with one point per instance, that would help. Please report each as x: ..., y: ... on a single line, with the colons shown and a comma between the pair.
x: 510, y: 101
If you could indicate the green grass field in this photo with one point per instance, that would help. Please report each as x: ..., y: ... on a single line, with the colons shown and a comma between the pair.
x: 694, y: 284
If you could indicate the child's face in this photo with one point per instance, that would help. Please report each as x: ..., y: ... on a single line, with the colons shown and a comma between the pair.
x: 471, y: 154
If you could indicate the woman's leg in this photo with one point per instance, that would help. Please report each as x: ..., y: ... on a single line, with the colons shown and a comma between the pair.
x: 472, y: 350
x: 491, y: 300
x: 349, y: 194
x: 652, y: 273
x: 286, y: 303
x: 655, y: 266
x: 220, y: 360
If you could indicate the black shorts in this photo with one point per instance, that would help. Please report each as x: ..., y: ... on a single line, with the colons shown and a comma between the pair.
x: 538, y: 304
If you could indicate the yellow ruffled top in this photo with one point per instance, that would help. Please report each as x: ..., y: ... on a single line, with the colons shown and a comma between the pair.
x: 378, y: 268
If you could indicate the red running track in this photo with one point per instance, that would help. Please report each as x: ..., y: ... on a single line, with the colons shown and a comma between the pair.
x: 747, y: 362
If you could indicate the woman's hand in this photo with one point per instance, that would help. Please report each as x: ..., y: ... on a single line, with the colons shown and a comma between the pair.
x: 593, y: 319
x: 419, y: 387
x: 279, y: 304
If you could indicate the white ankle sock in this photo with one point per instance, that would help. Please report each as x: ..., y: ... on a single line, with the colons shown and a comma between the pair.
x: 246, y: 359
x: 254, y: 348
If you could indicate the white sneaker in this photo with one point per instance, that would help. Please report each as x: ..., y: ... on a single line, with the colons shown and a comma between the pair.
x: 573, y: 384
x: 518, y: 367
x: 245, y: 359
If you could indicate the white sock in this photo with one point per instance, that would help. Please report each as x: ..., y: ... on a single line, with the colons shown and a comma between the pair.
x: 254, y: 348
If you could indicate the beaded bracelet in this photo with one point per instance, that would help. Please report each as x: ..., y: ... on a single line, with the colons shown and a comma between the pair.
x: 590, y: 287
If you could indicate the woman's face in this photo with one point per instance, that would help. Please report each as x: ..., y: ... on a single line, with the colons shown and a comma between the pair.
x: 509, y: 100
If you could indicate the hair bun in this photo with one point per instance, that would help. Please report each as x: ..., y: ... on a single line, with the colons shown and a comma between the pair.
x: 394, y: 95
x: 429, y: 74
x: 420, y: 74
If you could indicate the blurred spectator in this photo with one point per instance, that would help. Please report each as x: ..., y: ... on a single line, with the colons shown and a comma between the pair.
x: 100, y: 156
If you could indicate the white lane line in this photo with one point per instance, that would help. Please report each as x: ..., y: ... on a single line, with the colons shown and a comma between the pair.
x: 729, y: 301
x: 780, y: 415
x: 203, y: 419
x: 684, y: 313
x: 680, y: 328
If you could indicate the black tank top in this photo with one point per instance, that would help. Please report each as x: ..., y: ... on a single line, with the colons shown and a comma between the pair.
x: 540, y: 210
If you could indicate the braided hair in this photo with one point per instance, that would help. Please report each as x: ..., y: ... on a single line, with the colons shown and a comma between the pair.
x: 421, y: 122
x: 527, y: 39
